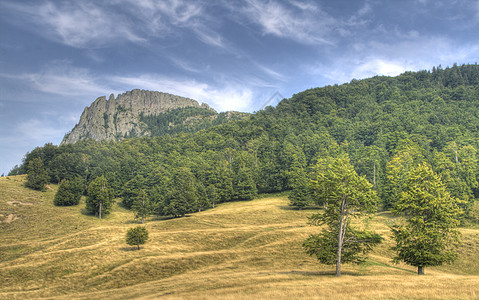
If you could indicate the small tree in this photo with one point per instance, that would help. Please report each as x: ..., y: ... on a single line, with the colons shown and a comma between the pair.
x: 137, y: 236
x: 100, y: 197
x: 69, y: 192
x: 37, y: 176
x: 428, y: 235
x: 345, y: 195
x: 142, y: 206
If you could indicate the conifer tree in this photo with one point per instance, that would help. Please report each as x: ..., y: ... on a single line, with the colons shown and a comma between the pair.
x: 142, y: 206
x: 100, y: 197
x: 69, y: 192
x: 37, y: 176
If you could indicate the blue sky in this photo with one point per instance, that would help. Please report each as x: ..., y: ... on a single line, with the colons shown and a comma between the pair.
x: 56, y: 57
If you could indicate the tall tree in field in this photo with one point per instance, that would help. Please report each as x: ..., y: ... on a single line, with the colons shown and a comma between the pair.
x: 345, y: 196
x: 427, y: 237
x: 100, y: 197
x: 37, y: 176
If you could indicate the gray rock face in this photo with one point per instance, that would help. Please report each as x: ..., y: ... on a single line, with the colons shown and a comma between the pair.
x: 116, y: 118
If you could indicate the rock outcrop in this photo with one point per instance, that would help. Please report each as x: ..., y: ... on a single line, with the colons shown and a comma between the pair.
x: 114, y: 119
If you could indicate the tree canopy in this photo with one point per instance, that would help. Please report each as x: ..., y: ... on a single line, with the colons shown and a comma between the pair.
x: 345, y: 195
x: 387, y: 126
x: 427, y: 236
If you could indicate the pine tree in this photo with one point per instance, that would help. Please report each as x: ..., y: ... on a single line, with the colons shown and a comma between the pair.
x: 37, y: 176
x: 69, y: 192
x: 100, y: 197
x: 142, y: 206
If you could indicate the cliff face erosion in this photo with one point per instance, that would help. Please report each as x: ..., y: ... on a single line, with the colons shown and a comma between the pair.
x: 114, y: 119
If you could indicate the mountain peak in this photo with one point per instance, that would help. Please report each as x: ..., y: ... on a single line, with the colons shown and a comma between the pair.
x: 113, y: 119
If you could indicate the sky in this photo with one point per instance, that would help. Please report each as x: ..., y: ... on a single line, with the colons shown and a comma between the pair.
x: 57, y: 57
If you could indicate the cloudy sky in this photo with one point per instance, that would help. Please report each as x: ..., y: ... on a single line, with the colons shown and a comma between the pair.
x: 56, y: 57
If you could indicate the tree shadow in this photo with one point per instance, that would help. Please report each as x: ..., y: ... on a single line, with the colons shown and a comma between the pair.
x: 321, y: 273
x: 128, y: 249
x: 134, y: 222
x: 292, y: 208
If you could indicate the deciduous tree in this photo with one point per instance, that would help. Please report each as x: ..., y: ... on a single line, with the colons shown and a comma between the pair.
x: 345, y: 195
x: 137, y: 236
x: 427, y: 235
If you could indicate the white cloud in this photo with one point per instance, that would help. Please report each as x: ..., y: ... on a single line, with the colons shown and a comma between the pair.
x: 93, y: 24
x: 303, y: 22
x: 411, y: 52
x: 78, y: 24
x: 60, y: 78
x: 228, y: 97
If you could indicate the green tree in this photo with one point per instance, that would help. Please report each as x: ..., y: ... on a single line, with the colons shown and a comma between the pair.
x: 137, y: 236
x: 37, y: 176
x: 345, y: 195
x: 100, y: 197
x: 69, y: 192
x: 427, y: 235
x: 142, y: 206
x: 181, y: 197
x: 300, y: 195
x: 404, y: 160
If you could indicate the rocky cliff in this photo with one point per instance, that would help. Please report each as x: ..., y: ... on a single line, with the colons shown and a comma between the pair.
x: 116, y: 118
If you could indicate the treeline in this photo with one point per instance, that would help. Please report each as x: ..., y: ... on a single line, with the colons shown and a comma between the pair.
x: 187, y: 119
x: 386, y: 125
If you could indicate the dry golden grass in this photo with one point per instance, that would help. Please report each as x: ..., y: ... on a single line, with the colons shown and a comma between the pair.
x: 240, y: 250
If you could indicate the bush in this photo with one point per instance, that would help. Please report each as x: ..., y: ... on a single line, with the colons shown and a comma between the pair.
x: 69, y: 193
x: 137, y: 236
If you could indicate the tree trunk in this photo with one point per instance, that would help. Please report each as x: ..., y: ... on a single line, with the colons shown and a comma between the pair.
x: 99, y: 215
x: 340, y: 239
x: 420, y: 270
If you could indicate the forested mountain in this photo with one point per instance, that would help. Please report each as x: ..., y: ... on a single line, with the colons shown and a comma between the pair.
x: 387, y: 125
x: 139, y: 113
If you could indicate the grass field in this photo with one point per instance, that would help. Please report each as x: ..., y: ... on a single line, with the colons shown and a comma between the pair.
x: 240, y: 250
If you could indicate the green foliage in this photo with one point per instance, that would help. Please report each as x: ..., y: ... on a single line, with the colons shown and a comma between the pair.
x: 180, y: 197
x: 69, y: 192
x: 137, y: 236
x: 100, y: 197
x: 131, y: 190
x: 324, y: 246
x: 37, y: 176
x: 187, y: 119
x: 142, y: 206
x: 301, y: 194
x: 428, y: 236
x: 345, y: 195
x: 387, y: 126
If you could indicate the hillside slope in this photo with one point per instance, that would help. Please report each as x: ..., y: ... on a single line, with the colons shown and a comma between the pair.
x: 237, y: 250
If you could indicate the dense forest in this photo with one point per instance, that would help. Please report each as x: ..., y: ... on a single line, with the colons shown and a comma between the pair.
x: 386, y: 125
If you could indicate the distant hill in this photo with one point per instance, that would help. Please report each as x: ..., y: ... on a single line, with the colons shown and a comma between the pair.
x: 427, y: 116
x: 140, y: 113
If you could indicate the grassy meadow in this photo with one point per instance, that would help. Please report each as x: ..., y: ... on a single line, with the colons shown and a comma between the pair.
x: 239, y: 250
